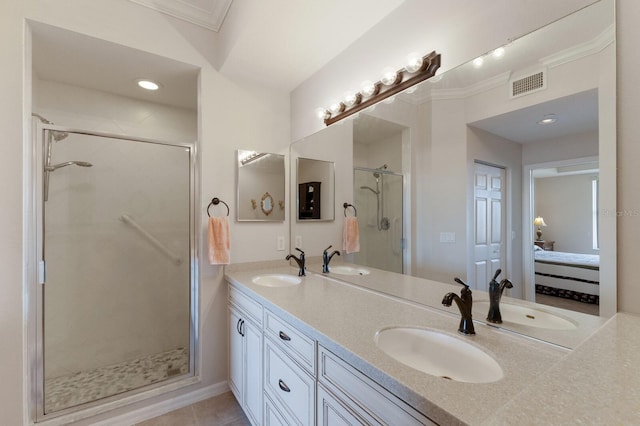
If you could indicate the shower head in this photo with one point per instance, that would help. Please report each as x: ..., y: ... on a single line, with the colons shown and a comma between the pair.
x: 68, y: 163
x: 370, y: 189
x: 376, y: 174
x: 58, y: 136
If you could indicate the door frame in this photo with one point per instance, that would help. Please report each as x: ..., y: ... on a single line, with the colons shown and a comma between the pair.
x: 528, y: 214
x: 33, y: 206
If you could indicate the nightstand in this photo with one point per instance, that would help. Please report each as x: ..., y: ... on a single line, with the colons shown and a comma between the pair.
x: 545, y: 245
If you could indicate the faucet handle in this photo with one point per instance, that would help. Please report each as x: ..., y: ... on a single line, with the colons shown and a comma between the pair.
x: 327, y: 249
x: 459, y: 281
x: 498, y: 272
x: 300, y: 251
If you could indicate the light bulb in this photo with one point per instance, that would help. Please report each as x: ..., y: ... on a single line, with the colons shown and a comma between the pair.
x: 148, y: 84
x: 548, y: 119
x: 322, y: 113
x: 351, y: 98
x: 414, y: 63
x: 477, y: 62
x: 368, y: 88
x: 498, y: 53
x: 389, y: 77
x: 336, y: 108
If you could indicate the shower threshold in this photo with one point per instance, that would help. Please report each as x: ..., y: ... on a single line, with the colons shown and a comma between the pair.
x: 91, y: 385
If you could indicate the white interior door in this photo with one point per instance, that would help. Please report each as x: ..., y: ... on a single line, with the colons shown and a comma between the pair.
x: 489, y: 223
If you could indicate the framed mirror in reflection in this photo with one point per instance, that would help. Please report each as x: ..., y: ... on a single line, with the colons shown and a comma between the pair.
x: 315, y: 180
x: 474, y: 141
x: 261, y: 186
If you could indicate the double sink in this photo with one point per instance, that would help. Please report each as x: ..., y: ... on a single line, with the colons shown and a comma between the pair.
x: 434, y: 352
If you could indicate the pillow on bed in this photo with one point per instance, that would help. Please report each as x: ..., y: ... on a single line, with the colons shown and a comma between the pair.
x: 537, y: 248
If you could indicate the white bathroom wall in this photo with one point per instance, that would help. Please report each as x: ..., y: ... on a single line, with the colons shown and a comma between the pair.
x: 231, y: 115
x: 565, y: 202
x: 560, y: 149
x: 94, y: 260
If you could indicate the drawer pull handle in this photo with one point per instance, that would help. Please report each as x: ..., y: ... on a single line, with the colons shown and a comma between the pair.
x: 284, y: 336
x: 283, y: 386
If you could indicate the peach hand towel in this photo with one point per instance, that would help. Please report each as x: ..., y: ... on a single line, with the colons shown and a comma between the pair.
x: 219, y: 245
x: 351, y: 235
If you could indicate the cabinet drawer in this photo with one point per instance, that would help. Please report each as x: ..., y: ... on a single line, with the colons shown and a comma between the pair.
x: 252, y: 308
x: 272, y: 416
x: 370, y: 400
x: 295, y: 343
x: 288, y: 385
x: 332, y: 412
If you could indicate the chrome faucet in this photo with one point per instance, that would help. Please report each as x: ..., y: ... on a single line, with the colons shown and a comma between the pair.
x: 326, y: 258
x: 299, y: 261
x: 495, y: 294
x: 464, y: 302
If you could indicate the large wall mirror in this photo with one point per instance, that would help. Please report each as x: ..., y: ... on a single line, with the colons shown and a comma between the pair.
x: 261, y: 186
x: 452, y: 176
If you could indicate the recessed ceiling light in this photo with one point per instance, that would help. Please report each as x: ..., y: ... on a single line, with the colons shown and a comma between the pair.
x: 548, y: 119
x: 477, y: 62
x: 498, y: 53
x: 148, y: 84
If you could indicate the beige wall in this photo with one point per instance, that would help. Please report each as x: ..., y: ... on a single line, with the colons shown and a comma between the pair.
x: 232, y: 115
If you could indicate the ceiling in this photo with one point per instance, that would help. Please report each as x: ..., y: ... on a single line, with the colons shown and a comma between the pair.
x: 298, y: 38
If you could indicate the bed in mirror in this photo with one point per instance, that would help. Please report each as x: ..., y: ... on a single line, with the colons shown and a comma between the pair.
x: 469, y: 146
x: 261, y: 186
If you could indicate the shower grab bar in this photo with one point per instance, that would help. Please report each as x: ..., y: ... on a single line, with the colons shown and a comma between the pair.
x: 153, y: 240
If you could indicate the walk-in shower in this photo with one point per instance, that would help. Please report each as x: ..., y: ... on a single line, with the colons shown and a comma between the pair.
x: 378, y: 194
x: 116, y: 240
x: 382, y: 221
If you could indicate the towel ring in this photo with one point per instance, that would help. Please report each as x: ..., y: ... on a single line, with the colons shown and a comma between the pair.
x: 347, y: 205
x: 214, y: 202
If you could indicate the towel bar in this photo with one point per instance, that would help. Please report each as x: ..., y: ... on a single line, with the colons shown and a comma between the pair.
x: 214, y: 202
x: 347, y: 205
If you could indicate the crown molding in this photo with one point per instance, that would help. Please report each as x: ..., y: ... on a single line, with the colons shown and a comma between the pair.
x: 210, y: 18
x: 582, y: 50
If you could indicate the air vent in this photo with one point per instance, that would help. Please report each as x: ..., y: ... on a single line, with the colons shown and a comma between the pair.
x: 528, y: 84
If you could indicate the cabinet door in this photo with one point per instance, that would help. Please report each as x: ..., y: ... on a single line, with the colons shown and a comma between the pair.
x: 236, y: 355
x: 253, y: 372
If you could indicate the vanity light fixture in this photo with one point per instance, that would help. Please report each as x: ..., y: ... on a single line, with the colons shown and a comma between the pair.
x: 251, y: 156
x: 417, y: 70
x: 148, y: 84
x: 548, y: 119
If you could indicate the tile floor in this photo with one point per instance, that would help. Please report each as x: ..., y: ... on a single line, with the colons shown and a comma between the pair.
x: 220, y: 410
x: 91, y: 385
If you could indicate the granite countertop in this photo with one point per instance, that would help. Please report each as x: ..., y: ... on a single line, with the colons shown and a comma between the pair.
x: 429, y: 293
x: 598, y: 382
x: 345, y: 318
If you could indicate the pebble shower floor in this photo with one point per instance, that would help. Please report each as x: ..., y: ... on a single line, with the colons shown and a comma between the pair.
x: 86, y: 386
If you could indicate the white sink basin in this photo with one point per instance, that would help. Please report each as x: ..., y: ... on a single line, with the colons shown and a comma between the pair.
x: 276, y: 280
x: 528, y: 316
x: 348, y: 270
x: 439, y: 354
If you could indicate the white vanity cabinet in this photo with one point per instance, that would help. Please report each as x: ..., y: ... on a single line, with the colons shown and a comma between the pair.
x: 354, y: 398
x: 289, y: 370
x: 282, y: 376
x: 245, y: 353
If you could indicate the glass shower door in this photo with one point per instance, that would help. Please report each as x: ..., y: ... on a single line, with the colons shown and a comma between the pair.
x: 378, y: 196
x: 117, y: 244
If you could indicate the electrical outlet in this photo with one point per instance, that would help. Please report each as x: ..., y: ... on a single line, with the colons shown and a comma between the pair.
x: 299, y: 241
x: 280, y: 244
x: 447, y: 237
